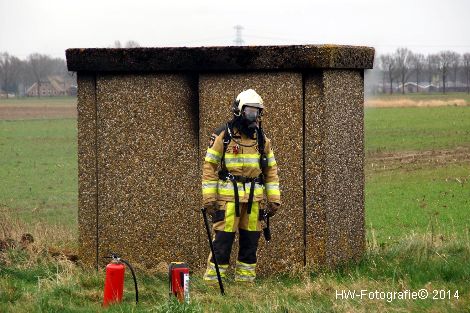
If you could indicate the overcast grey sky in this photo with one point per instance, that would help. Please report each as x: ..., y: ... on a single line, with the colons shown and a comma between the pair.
x: 52, y: 26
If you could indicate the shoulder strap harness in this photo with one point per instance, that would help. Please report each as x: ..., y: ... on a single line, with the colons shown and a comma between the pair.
x: 224, y: 173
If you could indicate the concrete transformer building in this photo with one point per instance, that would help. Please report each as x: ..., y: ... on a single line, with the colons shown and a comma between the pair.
x: 145, y: 116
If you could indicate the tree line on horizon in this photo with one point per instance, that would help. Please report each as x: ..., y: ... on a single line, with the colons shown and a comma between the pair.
x: 400, y: 71
x: 17, y: 75
x: 407, y: 71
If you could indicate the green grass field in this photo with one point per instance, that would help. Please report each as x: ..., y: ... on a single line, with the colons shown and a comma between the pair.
x: 417, y: 220
x: 415, y: 129
x: 406, y: 197
x: 408, y: 200
x: 39, y: 162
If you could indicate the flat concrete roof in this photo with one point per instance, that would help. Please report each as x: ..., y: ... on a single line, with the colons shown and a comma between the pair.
x: 230, y: 58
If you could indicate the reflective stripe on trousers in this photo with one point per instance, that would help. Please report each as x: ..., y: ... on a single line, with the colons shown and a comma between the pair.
x: 245, y: 271
x: 211, y: 273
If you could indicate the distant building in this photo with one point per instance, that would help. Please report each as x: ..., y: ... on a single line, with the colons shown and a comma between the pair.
x: 451, y: 86
x: 53, y: 86
x: 423, y: 86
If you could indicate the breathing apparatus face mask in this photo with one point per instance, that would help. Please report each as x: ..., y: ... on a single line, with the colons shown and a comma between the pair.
x: 250, y: 116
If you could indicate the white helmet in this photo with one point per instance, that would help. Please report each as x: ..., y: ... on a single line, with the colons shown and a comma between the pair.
x: 247, y: 97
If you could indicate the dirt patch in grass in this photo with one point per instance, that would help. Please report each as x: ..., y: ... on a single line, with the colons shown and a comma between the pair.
x: 440, y: 157
x: 25, y: 112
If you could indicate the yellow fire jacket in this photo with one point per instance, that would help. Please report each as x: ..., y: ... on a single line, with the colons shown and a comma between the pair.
x: 241, y: 159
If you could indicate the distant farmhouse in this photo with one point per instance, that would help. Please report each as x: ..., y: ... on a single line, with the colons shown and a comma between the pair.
x: 53, y: 86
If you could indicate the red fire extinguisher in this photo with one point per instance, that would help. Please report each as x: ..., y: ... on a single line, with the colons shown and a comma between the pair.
x: 179, y: 281
x: 114, y: 282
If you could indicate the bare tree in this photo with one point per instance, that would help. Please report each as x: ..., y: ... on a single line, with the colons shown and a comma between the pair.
x: 417, y: 63
x: 132, y: 44
x: 387, y: 63
x: 402, y: 63
x: 40, y: 66
x: 382, y: 66
x: 9, y: 72
x: 466, y: 66
x: 454, y: 64
x: 445, y: 59
x: 432, y: 62
x: 128, y: 44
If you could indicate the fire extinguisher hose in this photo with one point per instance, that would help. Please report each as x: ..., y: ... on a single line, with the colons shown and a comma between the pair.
x: 134, y: 278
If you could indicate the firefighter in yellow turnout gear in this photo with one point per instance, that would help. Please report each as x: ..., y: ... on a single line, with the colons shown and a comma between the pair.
x: 239, y: 174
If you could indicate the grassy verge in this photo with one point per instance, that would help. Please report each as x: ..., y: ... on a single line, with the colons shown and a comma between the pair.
x: 33, y: 281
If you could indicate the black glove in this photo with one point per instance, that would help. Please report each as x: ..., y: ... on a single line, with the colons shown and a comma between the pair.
x: 211, y: 207
x: 272, y: 208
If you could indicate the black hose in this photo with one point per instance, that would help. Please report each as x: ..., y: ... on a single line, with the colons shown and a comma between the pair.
x: 135, y: 280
